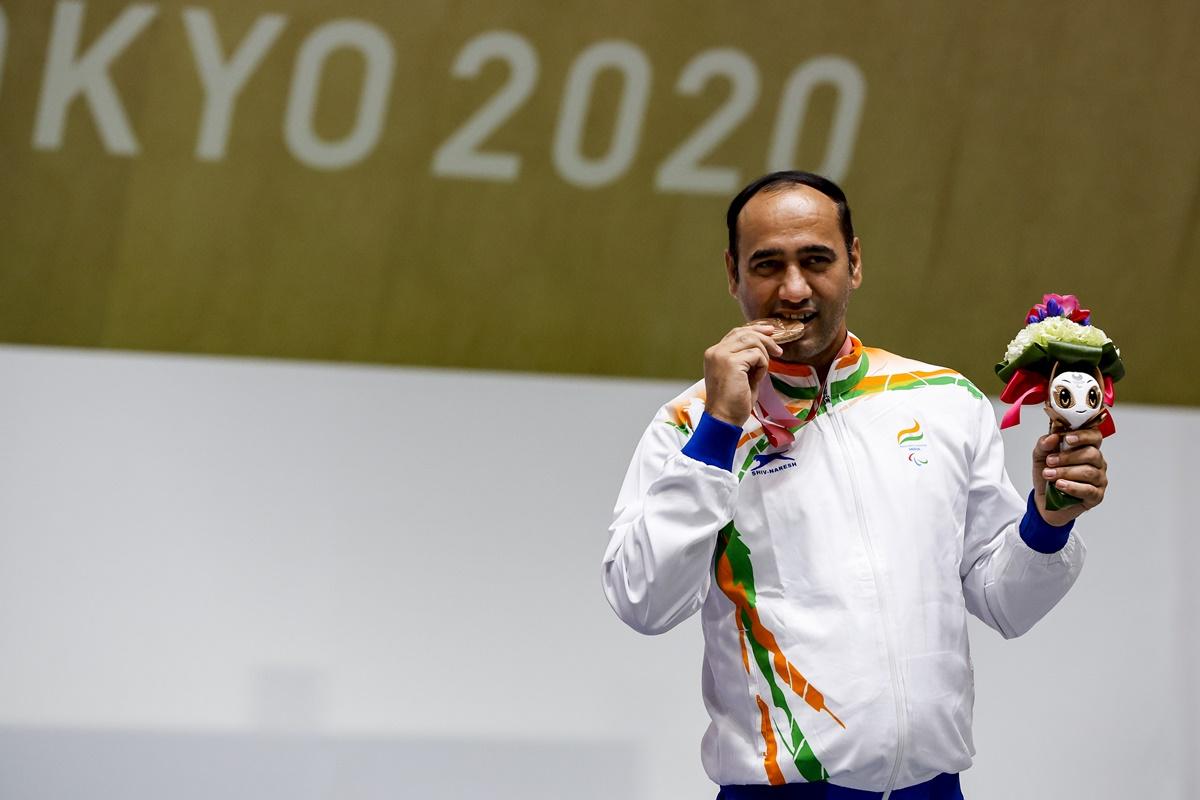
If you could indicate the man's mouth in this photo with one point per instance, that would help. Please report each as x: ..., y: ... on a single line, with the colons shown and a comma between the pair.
x: 802, y: 316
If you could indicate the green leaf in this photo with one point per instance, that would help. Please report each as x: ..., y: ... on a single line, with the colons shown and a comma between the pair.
x: 1034, y: 357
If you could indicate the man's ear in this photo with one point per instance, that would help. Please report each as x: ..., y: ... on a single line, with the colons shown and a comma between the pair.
x: 731, y: 273
x: 855, y: 264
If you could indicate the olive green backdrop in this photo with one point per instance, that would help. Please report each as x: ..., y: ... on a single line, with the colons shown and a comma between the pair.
x: 1003, y: 150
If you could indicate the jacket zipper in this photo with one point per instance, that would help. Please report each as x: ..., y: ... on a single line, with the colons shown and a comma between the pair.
x: 889, y: 631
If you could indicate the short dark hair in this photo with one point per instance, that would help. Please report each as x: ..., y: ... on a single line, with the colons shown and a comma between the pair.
x: 776, y: 180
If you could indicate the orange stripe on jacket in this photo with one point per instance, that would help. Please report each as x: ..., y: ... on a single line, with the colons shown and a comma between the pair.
x: 877, y: 382
x: 784, y: 668
x: 771, y: 759
x: 791, y: 368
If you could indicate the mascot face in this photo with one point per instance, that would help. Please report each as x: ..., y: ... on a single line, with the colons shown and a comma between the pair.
x: 1075, y: 398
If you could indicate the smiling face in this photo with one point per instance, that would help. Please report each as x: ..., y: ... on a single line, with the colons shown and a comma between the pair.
x: 1075, y: 397
x: 792, y: 263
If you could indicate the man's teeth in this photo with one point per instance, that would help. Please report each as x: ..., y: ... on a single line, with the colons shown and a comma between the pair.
x: 799, y: 317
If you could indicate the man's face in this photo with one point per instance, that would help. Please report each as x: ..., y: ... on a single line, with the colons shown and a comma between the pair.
x: 792, y: 262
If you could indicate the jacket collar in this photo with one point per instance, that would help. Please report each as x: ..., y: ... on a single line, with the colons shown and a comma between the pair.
x: 800, y: 381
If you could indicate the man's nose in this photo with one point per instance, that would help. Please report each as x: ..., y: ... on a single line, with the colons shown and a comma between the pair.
x: 795, y: 288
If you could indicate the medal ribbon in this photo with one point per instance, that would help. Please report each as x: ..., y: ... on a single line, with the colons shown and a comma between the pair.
x: 775, y: 417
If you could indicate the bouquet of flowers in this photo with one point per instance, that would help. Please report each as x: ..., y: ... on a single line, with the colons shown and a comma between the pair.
x: 1063, y: 361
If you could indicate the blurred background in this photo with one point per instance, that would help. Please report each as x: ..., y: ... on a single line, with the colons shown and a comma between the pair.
x: 327, y: 332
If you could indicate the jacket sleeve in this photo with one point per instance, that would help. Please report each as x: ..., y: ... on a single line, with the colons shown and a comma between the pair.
x: 1006, y: 583
x: 658, y: 565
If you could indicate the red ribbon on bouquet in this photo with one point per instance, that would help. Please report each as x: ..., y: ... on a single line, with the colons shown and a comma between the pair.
x: 1026, y: 388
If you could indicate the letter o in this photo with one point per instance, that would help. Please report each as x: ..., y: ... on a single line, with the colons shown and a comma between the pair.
x: 380, y: 59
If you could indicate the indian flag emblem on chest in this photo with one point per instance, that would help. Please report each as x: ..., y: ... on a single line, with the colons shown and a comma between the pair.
x: 911, y: 441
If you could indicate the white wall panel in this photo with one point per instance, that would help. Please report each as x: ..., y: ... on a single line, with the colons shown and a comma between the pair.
x: 233, y: 548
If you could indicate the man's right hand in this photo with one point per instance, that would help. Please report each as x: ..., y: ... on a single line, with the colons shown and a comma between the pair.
x: 733, y: 368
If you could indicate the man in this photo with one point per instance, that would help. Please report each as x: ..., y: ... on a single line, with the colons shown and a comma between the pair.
x: 833, y: 573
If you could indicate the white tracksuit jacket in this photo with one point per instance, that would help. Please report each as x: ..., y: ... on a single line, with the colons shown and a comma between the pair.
x: 833, y: 579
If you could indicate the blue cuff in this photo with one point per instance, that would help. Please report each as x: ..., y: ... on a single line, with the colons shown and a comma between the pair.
x: 714, y: 442
x: 1041, y: 535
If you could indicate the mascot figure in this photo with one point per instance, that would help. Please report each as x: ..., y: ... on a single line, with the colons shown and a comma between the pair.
x: 1063, y: 361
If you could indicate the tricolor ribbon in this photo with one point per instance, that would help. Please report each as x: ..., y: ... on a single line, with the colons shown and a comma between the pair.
x: 774, y: 415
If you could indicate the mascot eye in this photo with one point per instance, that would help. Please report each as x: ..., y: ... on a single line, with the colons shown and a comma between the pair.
x: 1063, y: 397
x: 1093, y: 398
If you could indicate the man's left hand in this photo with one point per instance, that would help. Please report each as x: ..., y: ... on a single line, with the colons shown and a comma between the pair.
x: 1080, y: 471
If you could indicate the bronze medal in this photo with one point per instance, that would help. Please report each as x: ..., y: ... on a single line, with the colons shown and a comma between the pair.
x: 786, y: 330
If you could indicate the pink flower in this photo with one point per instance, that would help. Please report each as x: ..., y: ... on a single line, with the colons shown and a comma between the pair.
x: 1059, y: 305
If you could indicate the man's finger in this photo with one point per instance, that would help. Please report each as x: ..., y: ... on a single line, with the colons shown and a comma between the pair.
x: 1081, y: 455
x: 756, y: 352
x: 1089, y: 494
x: 743, y: 338
x: 1047, y: 444
x: 1083, y: 437
x: 748, y: 359
x: 760, y: 336
x: 1093, y: 476
x: 743, y: 331
x: 762, y: 345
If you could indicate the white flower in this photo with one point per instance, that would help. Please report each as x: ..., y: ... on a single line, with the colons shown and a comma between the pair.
x: 1054, y: 329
